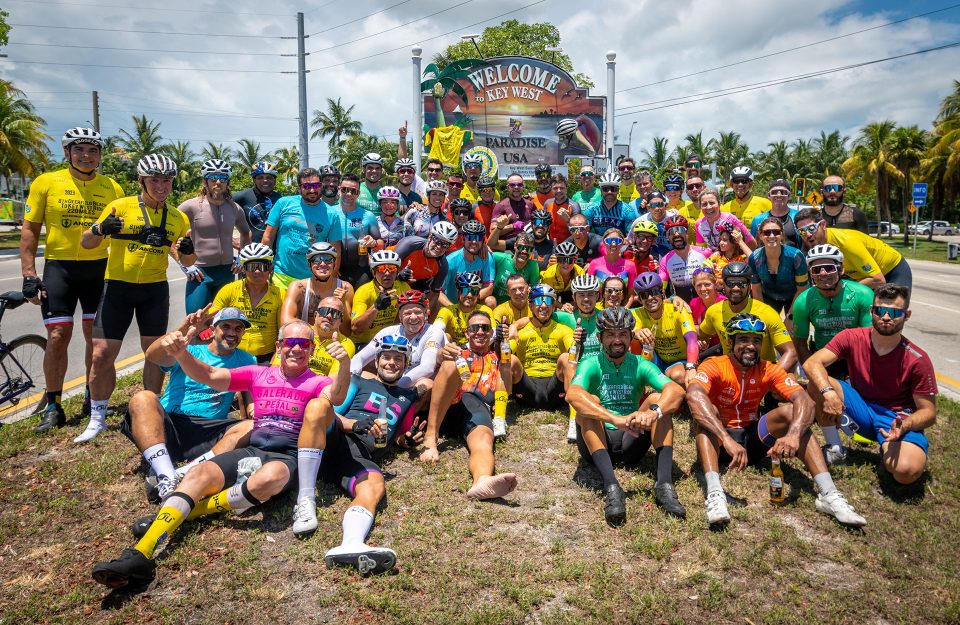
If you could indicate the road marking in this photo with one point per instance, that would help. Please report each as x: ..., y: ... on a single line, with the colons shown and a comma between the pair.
x: 948, y: 381
x: 926, y: 279
x: 952, y: 310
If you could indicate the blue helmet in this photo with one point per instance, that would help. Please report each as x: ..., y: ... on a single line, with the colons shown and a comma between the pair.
x: 542, y: 290
x: 263, y: 167
x: 393, y: 343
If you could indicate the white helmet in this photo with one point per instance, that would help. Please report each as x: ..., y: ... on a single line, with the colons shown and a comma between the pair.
x: 156, y: 165
x: 445, y: 231
x: 585, y: 283
x: 609, y: 179
x: 741, y: 171
x: 825, y: 252
x: 436, y: 185
x: 81, y: 135
x: 255, y: 251
x: 384, y: 257
x: 371, y: 158
x: 404, y: 163
x: 321, y: 247
x: 215, y: 166
x: 472, y: 160
x: 388, y: 193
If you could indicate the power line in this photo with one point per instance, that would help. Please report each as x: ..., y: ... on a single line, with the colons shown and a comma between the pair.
x: 710, y: 95
x: 360, y: 19
x: 150, y: 32
x: 175, y: 69
x: 217, y: 52
x: 169, y: 103
x: 143, y: 8
x: 771, y: 54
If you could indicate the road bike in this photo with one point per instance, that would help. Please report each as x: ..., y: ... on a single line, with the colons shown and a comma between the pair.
x: 21, y: 362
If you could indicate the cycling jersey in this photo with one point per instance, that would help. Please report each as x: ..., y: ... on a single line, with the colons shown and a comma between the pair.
x: 591, y: 339
x: 584, y: 198
x: 260, y: 338
x: 690, y: 211
x: 790, y: 234
x: 69, y: 207
x: 183, y: 395
x: 321, y: 362
x: 129, y: 259
x: 670, y: 331
x: 367, y: 199
x: 409, y: 199
x: 736, y: 392
x: 620, y: 388
x: 507, y: 310
x: 504, y: 267
x: 356, y: 225
x: 552, y: 277
x: 484, y: 375
x: 369, y: 399
x: 662, y: 244
x: 256, y: 207
x: 849, y: 218
x: 622, y: 268
x: 709, y: 235
x: 430, y: 272
x: 716, y: 318
x: 419, y: 221
x: 628, y: 191
x: 473, y: 194
x: 791, y: 273
x: 212, y: 229
x: 748, y: 209
x: 849, y: 308
x: 601, y: 218
x: 391, y: 233
x: 453, y: 320
x: 558, y: 230
x: 457, y: 264
x: 422, y: 361
x: 718, y: 261
x: 363, y: 300
x: 863, y: 255
x: 299, y: 225
x: 539, y: 349
x: 515, y: 211
x: 590, y: 250
x: 484, y: 213
x: 679, y: 271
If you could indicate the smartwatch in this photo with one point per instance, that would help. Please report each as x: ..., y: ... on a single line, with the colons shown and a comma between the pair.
x: 690, y: 366
x: 656, y: 409
x: 95, y: 229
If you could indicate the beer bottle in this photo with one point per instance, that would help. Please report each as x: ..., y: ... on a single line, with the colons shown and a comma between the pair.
x: 778, y: 490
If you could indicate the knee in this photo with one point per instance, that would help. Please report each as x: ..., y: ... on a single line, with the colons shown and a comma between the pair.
x: 59, y: 335
x: 373, y: 487
x: 143, y: 404
x: 200, y: 476
x: 272, y: 477
x: 906, y: 473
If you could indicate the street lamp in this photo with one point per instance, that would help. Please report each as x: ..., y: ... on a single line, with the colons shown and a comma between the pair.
x: 554, y: 50
x: 630, y: 138
x: 473, y: 38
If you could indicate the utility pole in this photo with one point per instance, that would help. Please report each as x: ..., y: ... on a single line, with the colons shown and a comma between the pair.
x: 96, y: 112
x: 417, y: 108
x: 302, y: 87
x: 611, y: 109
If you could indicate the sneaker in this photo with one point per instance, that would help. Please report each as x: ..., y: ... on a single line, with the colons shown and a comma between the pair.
x: 837, y: 506
x: 499, y: 427
x: 140, y: 526
x: 834, y: 454
x: 53, y: 417
x: 166, y: 487
x: 666, y: 497
x: 716, y: 503
x: 364, y: 558
x: 304, y: 518
x: 614, y: 505
x: 132, y: 568
x: 572, y: 431
x: 158, y: 488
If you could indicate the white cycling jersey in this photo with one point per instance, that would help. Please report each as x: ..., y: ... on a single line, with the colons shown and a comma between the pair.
x: 423, y: 358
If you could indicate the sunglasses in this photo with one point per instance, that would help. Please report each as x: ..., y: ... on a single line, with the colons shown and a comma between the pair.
x: 455, y: 185
x: 820, y: 270
x: 694, y: 164
x: 888, y: 311
x: 609, y: 189
x: 524, y: 249
x: 349, y: 191
x: 541, y: 222
x: 750, y: 325
x: 586, y: 174
x: 778, y: 192
x: 482, y: 189
x: 406, y: 171
x: 479, y: 327
x: 310, y: 186
x: 650, y: 293
x: 255, y: 266
x: 695, y: 185
x: 835, y: 188
x: 741, y: 181
x: 515, y: 185
x: 473, y: 237
x: 699, y: 270
x: 810, y: 228
x: 435, y: 169
x: 566, y: 260
x: 772, y: 232
x: 577, y: 229
x: 439, y: 243
x: 647, y: 237
x: 469, y: 290
x: 543, y: 300
x: 737, y: 284
x: 613, y: 241
x: 386, y: 268
x: 676, y: 230
x: 657, y: 204
x: 329, y: 311
x: 292, y: 342
x: 323, y: 259
x: 463, y: 212
x: 613, y: 289
x: 217, y: 177
x: 626, y: 168
x: 672, y: 187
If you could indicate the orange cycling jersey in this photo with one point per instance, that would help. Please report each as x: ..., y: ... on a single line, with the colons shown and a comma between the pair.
x: 737, y: 392
x: 484, y: 375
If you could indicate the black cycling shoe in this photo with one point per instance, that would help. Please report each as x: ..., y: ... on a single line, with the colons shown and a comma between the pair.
x: 666, y: 497
x: 141, y: 525
x: 614, y: 505
x: 131, y: 569
x: 53, y: 417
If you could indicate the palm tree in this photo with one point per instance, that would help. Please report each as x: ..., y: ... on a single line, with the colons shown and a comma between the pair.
x: 249, y: 154
x: 440, y: 82
x: 335, y: 123
x: 950, y: 106
x: 656, y: 160
x: 907, y: 146
x: 729, y: 151
x: 351, y: 150
x: 801, y: 154
x: 188, y: 174
x: 829, y: 152
x: 696, y: 145
x: 217, y: 150
x: 776, y: 163
x: 288, y: 163
x: 145, y: 139
x: 23, y: 150
x: 871, y: 161
x: 679, y: 157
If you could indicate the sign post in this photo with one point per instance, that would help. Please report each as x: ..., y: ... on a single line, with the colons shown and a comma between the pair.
x: 919, y: 199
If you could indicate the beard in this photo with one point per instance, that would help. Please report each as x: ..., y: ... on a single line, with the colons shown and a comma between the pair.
x: 616, y: 350
x: 837, y: 201
x: 678, y: 243
x: 749, y: 357
x: 888, y: 331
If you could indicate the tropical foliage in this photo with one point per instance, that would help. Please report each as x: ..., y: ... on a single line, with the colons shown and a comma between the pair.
x: 23, y: 150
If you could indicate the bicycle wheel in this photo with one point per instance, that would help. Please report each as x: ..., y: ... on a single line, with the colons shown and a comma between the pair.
x: 23, y: 362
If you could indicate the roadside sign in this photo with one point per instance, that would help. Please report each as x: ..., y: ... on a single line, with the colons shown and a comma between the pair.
x: 920, y: 193
x: 814, y: 197
x: 912, y: 209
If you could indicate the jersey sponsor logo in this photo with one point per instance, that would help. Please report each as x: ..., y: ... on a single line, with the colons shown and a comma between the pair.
x: 867, y: 267
x: 69, y: 192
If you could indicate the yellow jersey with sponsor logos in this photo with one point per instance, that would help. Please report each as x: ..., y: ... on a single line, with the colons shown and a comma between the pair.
x: 669, y: 331
x: 539, y: 349
x: 747, y: 210
x: 69, y: 207
x: 716, y: 318
x: 364, y: 299
x: 321, y: 362
x: 260, y: 338
x: 863, y: 255
x: 129, y: 259
x: 454, y: 321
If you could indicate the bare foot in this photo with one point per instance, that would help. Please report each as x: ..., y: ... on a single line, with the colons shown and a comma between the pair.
x: 493, y: 486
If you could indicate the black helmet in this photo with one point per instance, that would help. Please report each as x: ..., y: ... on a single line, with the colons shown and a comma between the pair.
x: 615, y: 318
x: 541, y: 169
x: 541, y: 214
x: 460, y: 202
x: 329, y: 170
x: 486, y: 182
x: 675, y: 179
x: 736, y: 270
x: 473, y: 227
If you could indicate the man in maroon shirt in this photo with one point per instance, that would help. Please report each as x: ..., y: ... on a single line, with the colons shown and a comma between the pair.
x: 891, y: 396
x: 515, y: 206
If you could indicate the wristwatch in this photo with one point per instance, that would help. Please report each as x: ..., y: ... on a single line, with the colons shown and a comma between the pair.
x: 826, y: 389
x: 690, y: 366
x: 95, y: 229
x: 656, y: 409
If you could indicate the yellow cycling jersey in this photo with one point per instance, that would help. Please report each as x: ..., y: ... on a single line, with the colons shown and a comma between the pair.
x: 746, y: 211
x: 552, y: 276
x: 689, y: 210
x: 863, y: 255
x: 668, y: 331
x: 716, y: 318
x: 474, y: 196
x: 129, y: 259
x: 69, y: 207
x: 454, y: 321
x: 507, y: 310
x: 363, y: 300
x: 628, y: 191
x: 539, y: 349
x: 321, y: 362
x: 260, y: 338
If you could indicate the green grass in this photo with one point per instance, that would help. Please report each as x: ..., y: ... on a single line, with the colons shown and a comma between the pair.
x: 542, y: 556
x: 10, y: 239
x: 926, y: 250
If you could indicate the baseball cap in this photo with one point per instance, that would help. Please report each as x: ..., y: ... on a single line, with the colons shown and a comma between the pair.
x: 780, y: 183
x: 231, y: 313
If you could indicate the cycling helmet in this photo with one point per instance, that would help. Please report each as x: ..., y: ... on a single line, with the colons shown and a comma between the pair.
x: 81, y: 135
x: 393, y: 343
x: 435, y: 186
x: 540, y: 213
x: 468, y: 280
x: 780, y: 183
x: 646, y: 227
x: 735, y: 270
x: 745, y: 323
x: 615, y: 318
x: 404, y: 163
x: 255, y: 251
x: 648, y: 280
x: 542, y: 290
x: 542, y: 168
x: 741, y: 171
x: 445, y: 231
x: 609, y: 179
x: 675, y: 179
x: 486, y: 182
x: 215, y: 166
x: 725, y: 226
x: 566, y: 249
x: 388, y: 193
x: 656, y: 195
x: 263, y: 167
x: 412, y: 296
x: 585, y: 283
x: 825, y: 252
x: 384, y: 257
x: 473, y: 227
x: 321, y: 247
x: 460, y: 202
x: 156, y: 165
x: 675, y: 221
x: 329, y: 170
x: 371, y: 158
x: 472, y: 160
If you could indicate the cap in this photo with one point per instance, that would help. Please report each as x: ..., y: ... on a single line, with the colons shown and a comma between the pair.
x: 231, y: 313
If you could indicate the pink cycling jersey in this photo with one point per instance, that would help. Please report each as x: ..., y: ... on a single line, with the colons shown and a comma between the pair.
x: 679, y: 272
x: 710, y: 234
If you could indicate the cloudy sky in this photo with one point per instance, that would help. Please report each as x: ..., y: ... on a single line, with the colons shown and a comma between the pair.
x: 225, y: 74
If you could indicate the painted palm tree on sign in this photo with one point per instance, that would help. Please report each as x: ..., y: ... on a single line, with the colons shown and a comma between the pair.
x: 439, y: 83
x: 872, y: 161
x: 334, y: 124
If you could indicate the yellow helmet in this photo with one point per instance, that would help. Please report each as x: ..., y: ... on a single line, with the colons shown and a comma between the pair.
x: 646, y: 227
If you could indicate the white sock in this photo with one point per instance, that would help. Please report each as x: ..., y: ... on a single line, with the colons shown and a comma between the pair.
x: 824, y: 482
x: 182, y: 471
x: 713, y: 481
x: 830, y: 433
x: 237, y: 498
x: 159, y: 459
x: 98, y: 409
x: 308, y: 464
x: 357, y: 522
x: 97, y: 424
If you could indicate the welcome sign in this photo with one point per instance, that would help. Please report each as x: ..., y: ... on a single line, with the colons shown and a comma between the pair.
x: 526, y: 111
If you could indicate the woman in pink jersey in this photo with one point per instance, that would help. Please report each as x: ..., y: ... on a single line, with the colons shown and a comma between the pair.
x: 612, y: 263
x: 708, y: 227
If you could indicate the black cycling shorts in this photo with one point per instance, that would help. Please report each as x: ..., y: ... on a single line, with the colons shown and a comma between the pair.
x: 229, y: 463
x: 122, y: 300
x: 623, y: 447
x: 465, y: 415
x: 750, y: 439
x: 345, y: 460
x: 67, y: 282
x: 542, y: 393
x: 186, y: 436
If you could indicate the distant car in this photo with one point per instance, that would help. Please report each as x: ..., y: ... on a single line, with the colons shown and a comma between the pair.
x: 939, y: 227
x: 883, y: 227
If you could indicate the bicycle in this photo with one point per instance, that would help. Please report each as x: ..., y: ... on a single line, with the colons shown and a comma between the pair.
x: 21, y: 360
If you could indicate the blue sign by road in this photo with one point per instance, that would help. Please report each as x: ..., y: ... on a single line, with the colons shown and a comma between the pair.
x: 919, y: 193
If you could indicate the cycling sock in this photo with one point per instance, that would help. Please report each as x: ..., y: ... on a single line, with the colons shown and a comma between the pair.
x: 357, y: 522
x: 601, y: 460
x: 830, y: 433
x: 713, y: 481
x: 159, y: 460
x: 665, y: 464
x: 171, y: 515
x: 98, y: 409
x: 237, y: 497
x: 98, y: 422
x: 182, y: 471
x: 500, y: 405
x: 573, y: 413
x: 824, y: 482
x: 308, y: 463
x: 53, y: 398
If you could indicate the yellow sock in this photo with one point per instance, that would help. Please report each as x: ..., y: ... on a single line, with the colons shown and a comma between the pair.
x: 500, y: 404
x: 214, y: 504
x: 168, y: 519
x: 573, y: 413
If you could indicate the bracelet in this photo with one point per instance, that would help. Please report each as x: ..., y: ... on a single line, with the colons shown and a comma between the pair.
x: 690, y: 366
x: 826, y: 389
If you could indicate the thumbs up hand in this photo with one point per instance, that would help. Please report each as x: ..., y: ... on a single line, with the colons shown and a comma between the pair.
x: 111, y: 224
